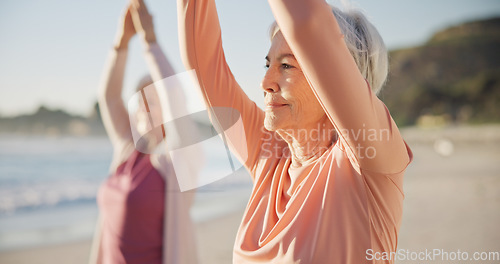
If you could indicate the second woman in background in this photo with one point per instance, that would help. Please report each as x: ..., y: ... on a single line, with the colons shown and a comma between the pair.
x: 144, y: 218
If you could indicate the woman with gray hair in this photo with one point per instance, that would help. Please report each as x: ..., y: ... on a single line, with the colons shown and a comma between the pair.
x: 326, y: 158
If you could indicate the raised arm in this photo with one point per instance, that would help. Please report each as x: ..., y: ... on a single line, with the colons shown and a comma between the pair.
x: 201, y: 49
x: 173, y: 101
x: 178, y: 237
x: 361, y: 119
x: 181, y: 130
x: 113, y: 111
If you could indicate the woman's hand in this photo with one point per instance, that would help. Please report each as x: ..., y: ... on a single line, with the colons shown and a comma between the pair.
x: 126, y: 30
x: 143, y: 21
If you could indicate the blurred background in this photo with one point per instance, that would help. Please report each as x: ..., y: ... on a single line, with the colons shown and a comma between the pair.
x: 443, y: 91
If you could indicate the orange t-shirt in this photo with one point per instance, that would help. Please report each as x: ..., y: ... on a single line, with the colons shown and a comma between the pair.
x: 332, y: 213
x: 338, y: 207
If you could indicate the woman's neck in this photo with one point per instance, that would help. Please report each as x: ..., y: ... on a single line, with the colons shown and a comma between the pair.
x: 307, y: 144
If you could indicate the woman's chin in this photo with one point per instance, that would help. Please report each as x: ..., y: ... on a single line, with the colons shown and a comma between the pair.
x: 272, y: 123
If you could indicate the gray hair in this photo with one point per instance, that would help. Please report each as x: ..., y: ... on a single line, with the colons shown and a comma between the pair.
x: 364, y: 43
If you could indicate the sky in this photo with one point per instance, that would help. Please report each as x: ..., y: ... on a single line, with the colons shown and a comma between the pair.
x: 52, y: 52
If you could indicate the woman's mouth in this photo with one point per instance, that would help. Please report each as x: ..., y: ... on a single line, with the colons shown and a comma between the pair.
x: 274, y: 106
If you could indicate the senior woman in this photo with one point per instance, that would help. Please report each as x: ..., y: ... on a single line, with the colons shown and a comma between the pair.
x: 144, y: 218
x: 326, y: 158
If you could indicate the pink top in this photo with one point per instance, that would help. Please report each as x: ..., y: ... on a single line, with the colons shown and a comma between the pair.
x: 179, y: 244
x: 338, y: 207
x: 131, y: 204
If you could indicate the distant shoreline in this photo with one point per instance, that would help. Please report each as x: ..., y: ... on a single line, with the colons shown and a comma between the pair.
x: 462, y: 132
x: 458, y: 133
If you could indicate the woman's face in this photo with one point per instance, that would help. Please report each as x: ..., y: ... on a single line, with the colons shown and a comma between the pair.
x: 289, y: 101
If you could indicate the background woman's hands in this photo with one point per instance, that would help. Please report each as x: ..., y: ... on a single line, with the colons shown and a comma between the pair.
x: 143, y: 21
x: 126, y: 30
x: 136, y: 19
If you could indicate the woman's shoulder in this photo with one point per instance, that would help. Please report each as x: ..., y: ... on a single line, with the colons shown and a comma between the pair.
x: 121, y: 154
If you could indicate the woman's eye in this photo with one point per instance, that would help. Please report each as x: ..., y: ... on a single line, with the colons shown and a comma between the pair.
x: 283, y: 66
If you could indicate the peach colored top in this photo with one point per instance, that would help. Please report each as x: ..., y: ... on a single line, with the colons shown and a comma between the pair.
x: 337, y: 207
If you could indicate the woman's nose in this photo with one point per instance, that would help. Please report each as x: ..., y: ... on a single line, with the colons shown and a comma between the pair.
x: 270, y: 82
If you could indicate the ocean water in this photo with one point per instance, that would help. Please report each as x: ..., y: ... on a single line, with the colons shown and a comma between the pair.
x: 48, y: 189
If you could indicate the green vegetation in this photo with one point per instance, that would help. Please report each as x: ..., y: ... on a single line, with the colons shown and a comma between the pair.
x: 53, y: 123
x: 456, y: 74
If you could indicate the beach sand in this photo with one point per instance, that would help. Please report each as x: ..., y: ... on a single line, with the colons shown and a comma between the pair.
x: 451, y: 203
x: 215, y: 238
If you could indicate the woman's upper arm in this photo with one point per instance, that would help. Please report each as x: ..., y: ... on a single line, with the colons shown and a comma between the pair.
x: 360, y: 118
x: 182, y: 131
x: 201, y: 49
x: 113, y: 112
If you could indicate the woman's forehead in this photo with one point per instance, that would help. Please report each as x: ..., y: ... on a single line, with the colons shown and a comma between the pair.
x: 279, y: 48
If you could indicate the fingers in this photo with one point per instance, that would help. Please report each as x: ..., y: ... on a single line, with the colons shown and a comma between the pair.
x: 143, y: 21
x: 140, y: 6
x: 140, y: 12
x: 134, y: 3
x: 128, y: 13
x: 125, y: 13
x: 126, y: 29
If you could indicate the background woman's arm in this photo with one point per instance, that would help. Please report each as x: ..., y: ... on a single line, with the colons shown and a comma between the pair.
x: 178, y: 236
x: 181, y: 129
x: 113, y: 112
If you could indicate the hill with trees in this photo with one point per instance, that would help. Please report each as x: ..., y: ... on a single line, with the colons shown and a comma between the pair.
x: 455, y: 76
